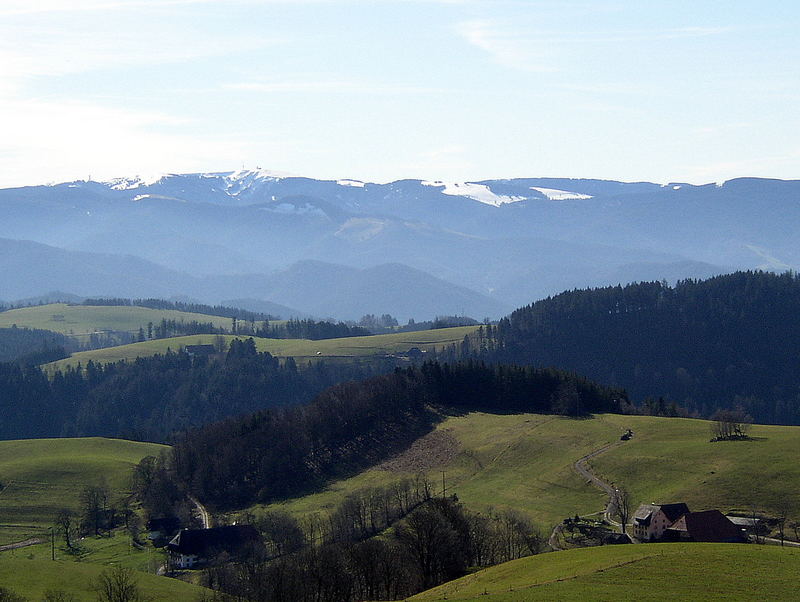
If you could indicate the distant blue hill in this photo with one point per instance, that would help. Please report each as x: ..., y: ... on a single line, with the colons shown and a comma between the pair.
x: 511, y: 241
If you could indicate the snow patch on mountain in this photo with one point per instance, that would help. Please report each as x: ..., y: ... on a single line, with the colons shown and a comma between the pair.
x: 560, y: 195
x: 134, y: 182
x: 238, y: 181
x: 476, y: 192
x: 354, y: 183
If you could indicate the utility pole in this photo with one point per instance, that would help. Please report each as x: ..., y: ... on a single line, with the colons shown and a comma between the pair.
x: 52, y: 543
x: 444, y: 488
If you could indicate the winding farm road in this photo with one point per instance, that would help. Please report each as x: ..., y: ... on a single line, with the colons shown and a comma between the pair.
x: 22, y: 544
x: 582, y: 468
x: 205, y: 516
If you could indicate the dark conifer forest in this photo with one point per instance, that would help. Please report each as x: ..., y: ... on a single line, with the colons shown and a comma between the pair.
x: 151, y: 398
x: 33, y: 346
x: 280, y: 452
x: 728, y: 341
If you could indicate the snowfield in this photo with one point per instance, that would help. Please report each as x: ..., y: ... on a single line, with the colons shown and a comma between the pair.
x: 560, y: 195
x: 476, y: 192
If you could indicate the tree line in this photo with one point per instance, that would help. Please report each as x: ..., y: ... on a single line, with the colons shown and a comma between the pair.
x: 223, y: 311
x: 242, y: 322
x: 309, y: 329
x: 438, y: 540
x: 726, y: 342
x: 151, y: 398
x: 290, y: 450
x: 33, y: 345
x: 379, y: 543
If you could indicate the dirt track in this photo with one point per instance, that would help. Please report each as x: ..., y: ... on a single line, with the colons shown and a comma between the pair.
x: 205, y: 516
x: 21, y: 544
x: 582, y: 469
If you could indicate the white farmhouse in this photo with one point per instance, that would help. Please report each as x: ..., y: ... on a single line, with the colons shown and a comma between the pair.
x: 651, y: 520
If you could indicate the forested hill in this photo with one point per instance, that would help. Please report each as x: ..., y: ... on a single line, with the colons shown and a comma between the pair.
x: 151, y: 398
x: 285, y: 451
x: 32, y: 345
x: 730, y: 340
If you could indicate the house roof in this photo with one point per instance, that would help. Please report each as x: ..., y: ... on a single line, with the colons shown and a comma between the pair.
x: 673, y: 512
x: 744, y: 521
x: 616, y: 538
x: 203, y: 542
x: 200, y: 349
x: 709, y: 526
x: 644, y: 513
x: 168, y: 523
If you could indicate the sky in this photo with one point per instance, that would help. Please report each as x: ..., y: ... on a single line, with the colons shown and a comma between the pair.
x: 380, y: 90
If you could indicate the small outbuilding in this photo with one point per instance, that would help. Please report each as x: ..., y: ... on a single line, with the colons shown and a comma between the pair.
x: 200, y: 350
x: 616, y: 539
x: 706, y: 526
x: 161, y: 529
x: 192, y: 548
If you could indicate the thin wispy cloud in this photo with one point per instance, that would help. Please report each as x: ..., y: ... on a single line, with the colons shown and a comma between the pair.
x: 109, y: 141
x: 32, y: 7
x: 459, y: 87
x: 505, y: 46
x: 538, y: 50
x: 330, y: 86
x: 56, y: 52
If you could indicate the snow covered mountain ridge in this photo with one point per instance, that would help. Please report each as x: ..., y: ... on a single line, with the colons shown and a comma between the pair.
x: 510, y: 241
x: 248, y: 186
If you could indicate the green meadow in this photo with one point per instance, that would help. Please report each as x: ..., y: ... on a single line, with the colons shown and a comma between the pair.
x: 347, y: 349
x: 77, y: 320
x: 636, y: 572
x: 525, y: 462
x: 31, y: 578
x: 672, y: 459
x: 42, y: 476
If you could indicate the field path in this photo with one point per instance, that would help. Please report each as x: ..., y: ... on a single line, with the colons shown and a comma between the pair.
x: 582, y: 468
x: 21, y: 544
x: 553, y: 541
x: 205, y: 516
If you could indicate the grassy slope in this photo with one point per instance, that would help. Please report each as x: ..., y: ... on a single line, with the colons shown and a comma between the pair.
x: 82, y: 319
x: 638, y: 572
x: 42, y: 476
x: 672, y: 459
x: 31, y: 578
x: 505, y: 461
x: 525, y: 462
x: 301, y: 349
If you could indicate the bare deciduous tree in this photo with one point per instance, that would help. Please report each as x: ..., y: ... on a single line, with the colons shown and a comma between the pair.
x: 64, y: 523
x: 118, y: 584
x: 621, y: 506
x: 94, y: 505
x: 783, y: 509
x: 730, y: 425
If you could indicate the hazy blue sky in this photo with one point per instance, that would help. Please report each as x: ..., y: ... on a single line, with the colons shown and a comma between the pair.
x: 378, y: 90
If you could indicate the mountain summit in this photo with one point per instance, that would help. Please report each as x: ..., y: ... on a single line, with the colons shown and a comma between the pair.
x: 510, y: 241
